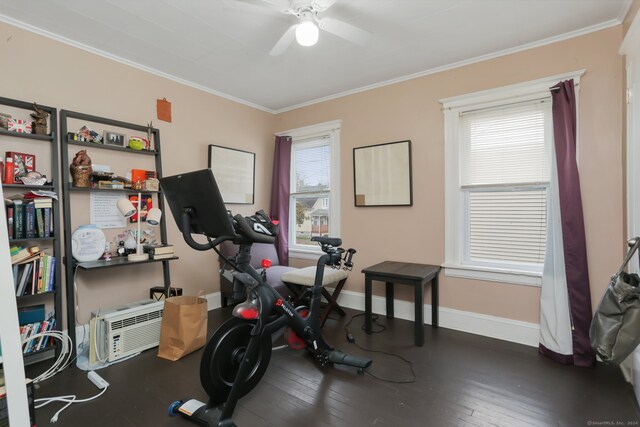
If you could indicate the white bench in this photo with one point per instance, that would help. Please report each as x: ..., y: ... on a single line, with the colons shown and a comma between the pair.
x: 298, y: 280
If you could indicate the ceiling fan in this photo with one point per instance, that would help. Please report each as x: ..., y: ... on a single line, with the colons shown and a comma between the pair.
x: 306, y: 30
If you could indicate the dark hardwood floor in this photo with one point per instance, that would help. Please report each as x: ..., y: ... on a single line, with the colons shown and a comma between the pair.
x: 461, y: 380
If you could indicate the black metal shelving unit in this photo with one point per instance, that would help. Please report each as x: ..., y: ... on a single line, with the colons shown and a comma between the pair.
x: 53, y: 241
x: 68, y: 189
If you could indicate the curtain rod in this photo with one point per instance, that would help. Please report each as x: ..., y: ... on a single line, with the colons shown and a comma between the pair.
x: 557, y: 88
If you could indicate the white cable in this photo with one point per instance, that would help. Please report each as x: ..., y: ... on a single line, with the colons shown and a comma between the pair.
x: 64, y: 357
x: 75, y: 309
x: 70, y: 399
x: 95, y: 338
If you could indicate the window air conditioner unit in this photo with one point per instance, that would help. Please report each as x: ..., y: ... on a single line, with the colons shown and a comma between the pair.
x: 121, y: 331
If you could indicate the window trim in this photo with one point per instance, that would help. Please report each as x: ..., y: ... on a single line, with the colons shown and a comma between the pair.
x: 330, y: 130
x: 454, y: 205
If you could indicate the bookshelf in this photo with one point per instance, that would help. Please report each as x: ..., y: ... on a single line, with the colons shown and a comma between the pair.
x: 102, y: 153
x: 45, y: 149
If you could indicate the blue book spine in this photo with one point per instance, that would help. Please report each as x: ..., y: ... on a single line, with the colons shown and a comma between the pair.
x: 47, y: 221
x: 51, y: 275
x: 31, y: 314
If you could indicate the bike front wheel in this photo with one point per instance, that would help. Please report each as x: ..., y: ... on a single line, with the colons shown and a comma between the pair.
x: 222, y: 358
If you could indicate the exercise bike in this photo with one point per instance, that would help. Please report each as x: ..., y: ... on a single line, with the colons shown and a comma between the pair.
x: 237, y: 355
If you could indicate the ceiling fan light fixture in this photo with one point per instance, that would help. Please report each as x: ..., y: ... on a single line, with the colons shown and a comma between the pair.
x: 307, y: 33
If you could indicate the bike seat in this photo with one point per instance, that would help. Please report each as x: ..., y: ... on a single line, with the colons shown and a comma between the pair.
x: 331, y: 241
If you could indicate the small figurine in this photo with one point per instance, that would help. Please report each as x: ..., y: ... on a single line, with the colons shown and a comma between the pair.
x: 39, y: 120
x: 81, y: 169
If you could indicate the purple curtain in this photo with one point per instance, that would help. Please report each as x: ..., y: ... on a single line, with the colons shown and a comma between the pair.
x: 280, y: 191
x: 573, y: 234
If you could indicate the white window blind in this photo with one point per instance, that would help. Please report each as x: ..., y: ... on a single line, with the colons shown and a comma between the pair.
x: 505, y: 166
x: 505, y: 145
x: 310, y: 190
x: 312, y: 166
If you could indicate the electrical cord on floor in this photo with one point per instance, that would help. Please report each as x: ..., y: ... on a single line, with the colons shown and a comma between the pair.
x: 70, y: 399
x: 64, y: 358
x: 352, y: 340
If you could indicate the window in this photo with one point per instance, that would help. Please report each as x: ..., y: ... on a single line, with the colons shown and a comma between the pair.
x: 498, y: 163
x: 314, y: 201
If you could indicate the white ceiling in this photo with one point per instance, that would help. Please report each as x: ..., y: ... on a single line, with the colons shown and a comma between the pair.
x: 222, y: 46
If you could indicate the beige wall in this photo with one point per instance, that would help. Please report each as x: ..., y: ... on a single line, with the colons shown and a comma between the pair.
x: 52, y: 73
x: 62, y: 76
x: 410, y: 110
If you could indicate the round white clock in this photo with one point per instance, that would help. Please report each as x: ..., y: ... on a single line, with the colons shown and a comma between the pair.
x: 87, y: 243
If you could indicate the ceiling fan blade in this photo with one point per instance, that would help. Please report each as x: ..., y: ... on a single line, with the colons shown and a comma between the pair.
x: 344, y: 30
x: 283, y: 44
x: 281, y: 5
x: 322, y: 5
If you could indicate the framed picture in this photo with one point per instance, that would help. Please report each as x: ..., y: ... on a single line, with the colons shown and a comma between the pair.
x: 382, y: 174
x: 234, y: 171
x: 113, y: 138
x: 22, y: 164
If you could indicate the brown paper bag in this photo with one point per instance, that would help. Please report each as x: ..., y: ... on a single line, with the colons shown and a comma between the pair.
x: 184, y: 326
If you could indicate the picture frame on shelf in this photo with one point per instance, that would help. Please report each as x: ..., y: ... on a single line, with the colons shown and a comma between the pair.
x: 4, y: 120
x: 114, y: 138
x: 23, y: 163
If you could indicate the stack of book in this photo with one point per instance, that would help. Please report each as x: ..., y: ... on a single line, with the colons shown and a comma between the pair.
x: 33, y: 321
x: 159, y: 251
x: 33, y: 270
x: 29, y: 216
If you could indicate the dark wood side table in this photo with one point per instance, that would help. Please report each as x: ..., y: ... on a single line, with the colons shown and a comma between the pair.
x: 403, y: 273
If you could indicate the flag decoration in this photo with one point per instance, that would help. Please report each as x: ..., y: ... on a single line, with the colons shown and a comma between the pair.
x: 19, y: 125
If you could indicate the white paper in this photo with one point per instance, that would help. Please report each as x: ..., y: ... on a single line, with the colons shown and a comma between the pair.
x: 104, y: 213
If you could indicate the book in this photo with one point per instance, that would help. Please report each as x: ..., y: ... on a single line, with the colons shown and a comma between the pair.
x: 23, y: 254
x: 41, y: 266
x: 9, y: 210
x: 29, y: 220
x: 24, y: 278
x: 158, y: 249
x: 23, y: 163
x: 39, y: 222
x: 34, y: 329
x: 47, y: 221
x: 18, y: 220
x: 43, y: 202
x: 31, y: 289
x: 146, y: 203
x: 31, y: 314
x: 41, y: 340
x: 42, y: 274
x: 25, y: 331
x: 15, y: 275
x: 162, y: 256
x: 52, y: 274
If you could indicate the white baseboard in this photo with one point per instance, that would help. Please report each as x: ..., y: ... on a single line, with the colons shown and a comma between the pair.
x: 213, y: 300
x: 480, y: 324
